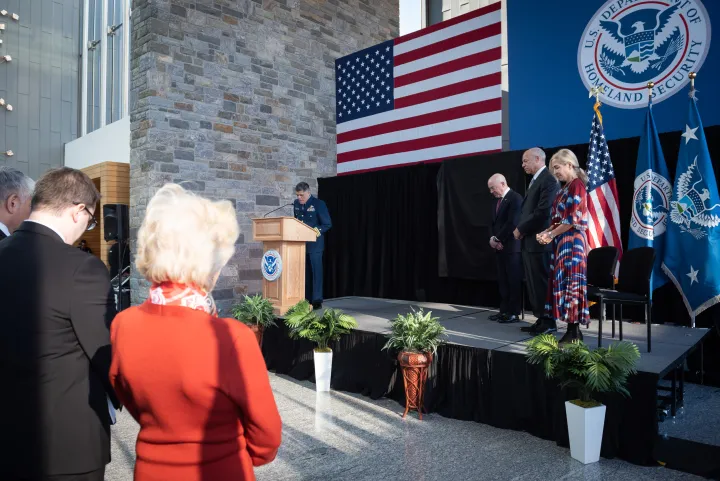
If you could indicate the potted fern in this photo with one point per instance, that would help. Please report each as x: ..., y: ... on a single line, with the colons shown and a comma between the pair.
x: 417, y: 336
x: 590, y: 373
x: 304, y: 323
x: 257, y: 313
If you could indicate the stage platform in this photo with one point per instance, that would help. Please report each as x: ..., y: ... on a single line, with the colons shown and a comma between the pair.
x: 470, y: 326
x: 481, y: 373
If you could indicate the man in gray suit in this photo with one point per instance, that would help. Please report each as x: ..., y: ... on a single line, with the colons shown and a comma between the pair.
x: 16, y: 191
x: 535, y: 218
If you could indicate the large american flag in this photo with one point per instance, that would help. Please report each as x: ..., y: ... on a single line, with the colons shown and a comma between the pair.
x: 427, y: 96
x: 603, y: 204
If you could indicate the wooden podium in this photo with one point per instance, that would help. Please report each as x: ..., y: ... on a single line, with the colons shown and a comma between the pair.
x: 283, y: 260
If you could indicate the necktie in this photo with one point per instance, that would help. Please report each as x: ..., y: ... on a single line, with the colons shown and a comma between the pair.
x: 497, y: 207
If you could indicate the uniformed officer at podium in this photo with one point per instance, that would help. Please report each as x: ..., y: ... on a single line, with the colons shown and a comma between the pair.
x: 314, y: 213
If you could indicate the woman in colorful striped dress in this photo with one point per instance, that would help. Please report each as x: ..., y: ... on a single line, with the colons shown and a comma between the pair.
x: 567, y: 289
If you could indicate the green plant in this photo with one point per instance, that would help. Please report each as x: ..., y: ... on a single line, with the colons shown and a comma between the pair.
x: 254, y: 310
x: 304, y: 323
x: 417, y: 331
x: 302, y: 306
x: 591, y: 372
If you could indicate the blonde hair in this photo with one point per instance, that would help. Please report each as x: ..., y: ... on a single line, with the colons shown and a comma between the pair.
x: 185, y: 238
x: 567, y: 157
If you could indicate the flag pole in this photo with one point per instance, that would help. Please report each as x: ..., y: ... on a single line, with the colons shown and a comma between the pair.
x: 596, y: 91
x: 650, y: 86
x: 692, y: 76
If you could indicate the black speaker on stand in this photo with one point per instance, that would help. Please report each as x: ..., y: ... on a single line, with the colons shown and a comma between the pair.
x: 116, y: 220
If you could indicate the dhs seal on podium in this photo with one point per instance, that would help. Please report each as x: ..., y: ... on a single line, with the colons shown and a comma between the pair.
x: 629, y: 43
x: 271, y: 265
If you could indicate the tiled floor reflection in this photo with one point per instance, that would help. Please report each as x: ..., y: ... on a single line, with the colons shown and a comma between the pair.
x: 339, y: 436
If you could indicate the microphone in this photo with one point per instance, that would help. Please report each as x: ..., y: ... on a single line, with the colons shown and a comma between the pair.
x: 282, y: 206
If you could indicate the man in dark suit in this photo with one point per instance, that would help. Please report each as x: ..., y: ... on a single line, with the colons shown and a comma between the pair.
x: 16, y: 191
x: 314, y: 213
x: 55, y: 343
x: 84, y: 247
x: 505, y: 215
x: 534, y: 218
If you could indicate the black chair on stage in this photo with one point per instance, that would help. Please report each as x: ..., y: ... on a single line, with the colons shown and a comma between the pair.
x: 633, y: 287
x: 601, y: 266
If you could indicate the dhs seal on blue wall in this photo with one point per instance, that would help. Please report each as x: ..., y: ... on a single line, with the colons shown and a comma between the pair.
x: 271, y: 265
x: 629, y: 43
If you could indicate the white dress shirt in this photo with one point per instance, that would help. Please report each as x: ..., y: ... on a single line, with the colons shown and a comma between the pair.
x: 507, y: 189
x: 4, y: 229
x: 536, y: 175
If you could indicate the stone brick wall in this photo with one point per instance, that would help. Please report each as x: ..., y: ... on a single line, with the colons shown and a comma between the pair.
x: 235, y: 98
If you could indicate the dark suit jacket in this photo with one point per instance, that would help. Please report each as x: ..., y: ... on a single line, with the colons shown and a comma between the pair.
x: 54, y: 356
x: 2, y: 235
x: 505, y: 221
x: 535, y: 212
x: 314, y: 214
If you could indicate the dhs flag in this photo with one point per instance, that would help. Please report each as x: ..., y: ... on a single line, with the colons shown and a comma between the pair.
x: 651, y: 200
x: 692, y: 249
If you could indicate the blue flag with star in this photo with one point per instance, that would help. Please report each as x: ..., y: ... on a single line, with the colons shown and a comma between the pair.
x: 651, y: 199
x: 692, y: 244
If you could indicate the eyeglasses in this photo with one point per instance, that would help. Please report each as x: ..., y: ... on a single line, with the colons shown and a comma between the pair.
x: 92, y: 223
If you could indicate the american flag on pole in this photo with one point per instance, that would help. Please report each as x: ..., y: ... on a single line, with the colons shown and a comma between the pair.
x: 427, y: 96
x: 603, y: 204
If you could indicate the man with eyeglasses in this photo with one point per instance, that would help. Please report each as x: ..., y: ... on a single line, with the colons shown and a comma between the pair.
x: 55, y: 344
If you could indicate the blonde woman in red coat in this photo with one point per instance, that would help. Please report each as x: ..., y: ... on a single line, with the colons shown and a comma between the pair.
x: 197, y: 384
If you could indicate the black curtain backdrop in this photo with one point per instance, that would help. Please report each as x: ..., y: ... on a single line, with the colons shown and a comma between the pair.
x: 384, y: 239
x: 496, y: 388
x: 465, y: 208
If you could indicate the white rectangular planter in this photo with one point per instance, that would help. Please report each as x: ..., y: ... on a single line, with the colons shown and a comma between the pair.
x: 323, y: 369
x: 585, y: 429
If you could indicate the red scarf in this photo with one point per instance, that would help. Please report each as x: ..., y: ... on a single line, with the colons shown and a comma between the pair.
x: 173, y: 294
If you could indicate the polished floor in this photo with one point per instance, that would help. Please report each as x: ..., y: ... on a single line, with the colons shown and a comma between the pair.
x: 338, y: 436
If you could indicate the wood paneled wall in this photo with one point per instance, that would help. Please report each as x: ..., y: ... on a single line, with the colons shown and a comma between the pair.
x: 113, y: 182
